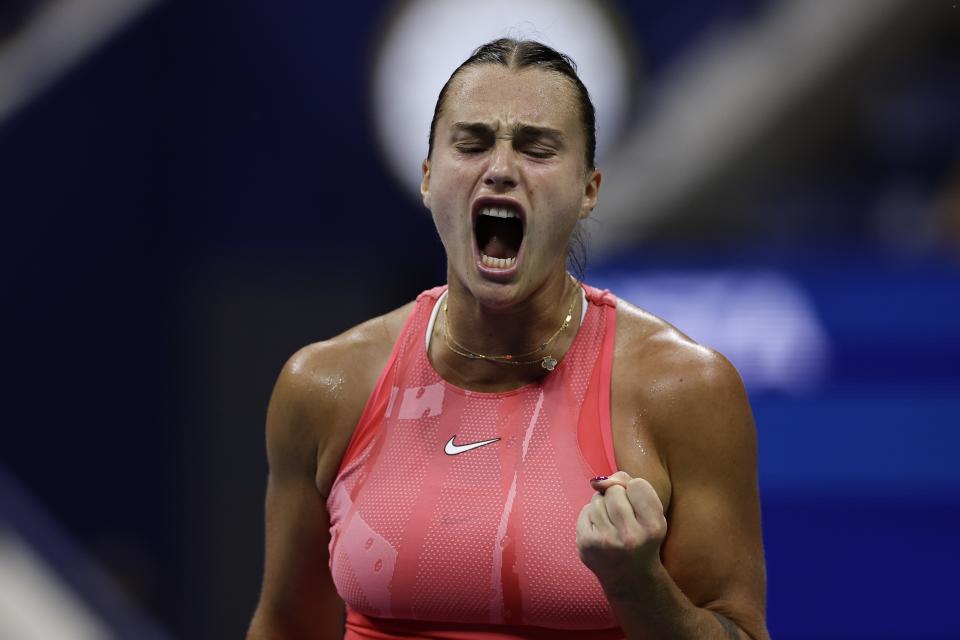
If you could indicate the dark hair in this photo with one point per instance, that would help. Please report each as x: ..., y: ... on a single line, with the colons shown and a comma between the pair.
x: 521, y: 54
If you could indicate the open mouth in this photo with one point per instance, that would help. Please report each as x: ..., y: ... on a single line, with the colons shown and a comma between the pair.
x: 499, y: 233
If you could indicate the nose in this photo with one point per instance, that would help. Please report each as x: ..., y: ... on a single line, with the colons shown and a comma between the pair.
x: 501, y: 174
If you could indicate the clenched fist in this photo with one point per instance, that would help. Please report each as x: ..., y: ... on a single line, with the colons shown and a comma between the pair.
x: 619, y: 532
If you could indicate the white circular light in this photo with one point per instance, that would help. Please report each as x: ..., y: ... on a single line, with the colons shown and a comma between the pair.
x: 428, y: 39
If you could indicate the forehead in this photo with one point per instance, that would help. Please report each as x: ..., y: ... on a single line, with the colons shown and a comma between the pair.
x: 499, y: 95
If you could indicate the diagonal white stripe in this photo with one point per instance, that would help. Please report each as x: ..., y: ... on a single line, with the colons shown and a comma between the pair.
x: 496, y: 580
x: 533, y: 422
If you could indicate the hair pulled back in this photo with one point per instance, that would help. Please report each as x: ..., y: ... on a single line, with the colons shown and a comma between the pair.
x: 523, y: 54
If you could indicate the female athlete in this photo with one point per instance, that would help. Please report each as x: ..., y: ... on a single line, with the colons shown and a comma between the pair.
x: 514, y: 454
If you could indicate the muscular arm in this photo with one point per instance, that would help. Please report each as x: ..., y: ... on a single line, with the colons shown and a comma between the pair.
x: 314, y: 408
x: 698, y: 572
x: 298, y: 599
x: 714, y: 548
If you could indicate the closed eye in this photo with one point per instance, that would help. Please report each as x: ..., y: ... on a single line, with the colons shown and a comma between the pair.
x: 470, y: 148
x: 539, y: 152
x: 537, y: 142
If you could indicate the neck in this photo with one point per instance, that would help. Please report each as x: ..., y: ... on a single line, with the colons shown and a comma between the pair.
x: 517, y: 328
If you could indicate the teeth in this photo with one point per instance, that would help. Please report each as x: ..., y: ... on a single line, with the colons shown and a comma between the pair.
x: 497, y: 263
x: 499, y: 213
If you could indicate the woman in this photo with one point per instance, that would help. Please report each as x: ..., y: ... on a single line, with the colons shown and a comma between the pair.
x: 514, y: 455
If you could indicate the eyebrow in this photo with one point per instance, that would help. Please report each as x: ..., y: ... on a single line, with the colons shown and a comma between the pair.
x: 519, y: 130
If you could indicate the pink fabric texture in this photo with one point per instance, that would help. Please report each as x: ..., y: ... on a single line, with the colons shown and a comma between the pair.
x: 481, y: 543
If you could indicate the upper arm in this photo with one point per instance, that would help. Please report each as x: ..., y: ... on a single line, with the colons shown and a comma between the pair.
x: 714, y: 548
x: 298, y: 598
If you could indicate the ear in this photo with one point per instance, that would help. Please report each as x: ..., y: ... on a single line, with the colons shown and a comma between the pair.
x: 425, y: 183
x: 591, y: 191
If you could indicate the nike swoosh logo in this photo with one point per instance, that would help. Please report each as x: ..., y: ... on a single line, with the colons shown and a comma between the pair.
x: 452, y: 449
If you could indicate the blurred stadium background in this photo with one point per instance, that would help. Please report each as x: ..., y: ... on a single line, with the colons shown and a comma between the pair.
x: 193, y: 190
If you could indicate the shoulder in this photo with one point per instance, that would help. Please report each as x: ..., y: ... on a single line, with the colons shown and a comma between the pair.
x: 317, y: 368
x: 690, y: 395
x: 688, y: 400
x: 322, y: 389
x: 320, y: 370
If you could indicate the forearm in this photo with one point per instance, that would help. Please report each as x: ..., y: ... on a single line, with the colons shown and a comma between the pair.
x: 656, y: 608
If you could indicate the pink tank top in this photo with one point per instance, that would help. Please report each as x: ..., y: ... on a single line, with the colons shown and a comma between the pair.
x: 453, y: 514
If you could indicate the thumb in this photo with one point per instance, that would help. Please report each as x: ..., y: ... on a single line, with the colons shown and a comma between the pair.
x: 602, y: 483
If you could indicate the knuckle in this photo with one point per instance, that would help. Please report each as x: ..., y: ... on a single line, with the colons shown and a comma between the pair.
x: 632, y: 540
x: 640, y: 489
x: 616, y: 489
x: 659, y: 528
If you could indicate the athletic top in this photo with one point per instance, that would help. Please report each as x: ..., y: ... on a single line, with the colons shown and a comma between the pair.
x: 453, y: 513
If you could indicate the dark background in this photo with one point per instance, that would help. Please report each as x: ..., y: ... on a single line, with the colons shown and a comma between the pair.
x: 204, y: 195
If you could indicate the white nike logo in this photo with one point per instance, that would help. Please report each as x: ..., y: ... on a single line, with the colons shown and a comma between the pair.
x: 452, y: 449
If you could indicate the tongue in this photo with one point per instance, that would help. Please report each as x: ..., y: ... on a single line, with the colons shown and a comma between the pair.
x: 497, y: 248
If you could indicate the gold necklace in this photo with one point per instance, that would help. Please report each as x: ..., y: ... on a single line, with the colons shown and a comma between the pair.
x: 548, y: 362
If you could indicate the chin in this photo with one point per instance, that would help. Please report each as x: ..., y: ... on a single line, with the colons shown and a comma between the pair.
x: 490, y: 294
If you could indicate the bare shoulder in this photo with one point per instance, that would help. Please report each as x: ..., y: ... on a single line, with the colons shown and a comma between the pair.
x: 321, y: 391
x: 688, y: 402
x: 690, y: 395
x: 319, y: 372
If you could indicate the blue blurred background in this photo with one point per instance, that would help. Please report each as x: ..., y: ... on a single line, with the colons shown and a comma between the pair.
x: 193, y: 190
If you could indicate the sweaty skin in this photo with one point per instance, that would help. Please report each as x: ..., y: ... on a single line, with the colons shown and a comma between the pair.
x: 512, y: 137
x: 698, y: 458
x: 674, y: 536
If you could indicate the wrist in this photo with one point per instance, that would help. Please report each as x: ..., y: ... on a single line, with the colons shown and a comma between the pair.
x: 639, y: 585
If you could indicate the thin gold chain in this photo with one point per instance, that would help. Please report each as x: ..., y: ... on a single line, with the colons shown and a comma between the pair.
x: 548, y: 362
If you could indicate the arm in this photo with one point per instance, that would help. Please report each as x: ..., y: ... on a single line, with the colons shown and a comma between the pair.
x: 702, y: 575
x: 298, y: 598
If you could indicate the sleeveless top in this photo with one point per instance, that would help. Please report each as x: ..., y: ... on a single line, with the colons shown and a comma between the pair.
x: 453, y: 513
